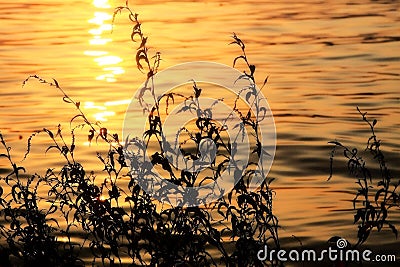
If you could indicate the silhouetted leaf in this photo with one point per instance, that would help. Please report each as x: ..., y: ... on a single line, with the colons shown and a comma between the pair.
x: 265, y: 82
x: 360, y: 213
x: 91, y: 135
x: 103, y: 133
x: 252, y: 69
x: 378, y: 193
x: 76, y: 116
x: 238, y: 57
x: 53, y: 146
x: 56, y: 83
x: 393, y: 228
x: 67, y: 100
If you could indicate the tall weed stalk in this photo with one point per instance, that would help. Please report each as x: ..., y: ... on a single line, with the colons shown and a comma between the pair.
x: 377, y: 196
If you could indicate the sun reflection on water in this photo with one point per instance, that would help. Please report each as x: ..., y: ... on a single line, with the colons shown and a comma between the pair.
x: 101, y: 4
x: 103, y: 58
x: 102, y: 113
x: 102, y: 53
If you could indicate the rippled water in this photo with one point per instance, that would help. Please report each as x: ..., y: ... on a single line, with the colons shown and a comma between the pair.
x: 324, y: 58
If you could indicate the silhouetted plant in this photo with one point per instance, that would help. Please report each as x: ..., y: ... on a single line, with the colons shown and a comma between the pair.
x: 376, y: 197
x: 29, y: 229
x: 113, y: 222
x: 253, y: 224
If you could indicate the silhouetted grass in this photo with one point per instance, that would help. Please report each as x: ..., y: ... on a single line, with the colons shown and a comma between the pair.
x: 376, y: 196
x: 118, y: 223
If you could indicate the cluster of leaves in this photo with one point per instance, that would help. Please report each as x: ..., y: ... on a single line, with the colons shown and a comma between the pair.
x: 83, y: 214
x: 28, y: 228
x: 372, y: 203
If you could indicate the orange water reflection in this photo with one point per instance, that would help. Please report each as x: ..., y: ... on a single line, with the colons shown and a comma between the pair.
x: 323, y: 62
x: 102, y: 55
x: 103, y: 58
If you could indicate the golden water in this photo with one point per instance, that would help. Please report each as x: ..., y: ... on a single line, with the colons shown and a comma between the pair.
x: 324, y: 58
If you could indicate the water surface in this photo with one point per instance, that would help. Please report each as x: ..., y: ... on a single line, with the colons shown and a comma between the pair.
x: 324, y: 58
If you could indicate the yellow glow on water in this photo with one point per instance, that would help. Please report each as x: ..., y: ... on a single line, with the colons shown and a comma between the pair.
x: 62, y: 239
x: 101, y: 116
x: 108, y: 60
x: 101, y: 3
x: 101, y: 29
x: 106, y: 77
x: 101, y: 113
x: 103, y: 58
x: 118, y: 102
x: 91, y: 105
x: 95, y: 53
x: 110, y: 77
x: 86, y: 143
x: 115, y: 70
x: 97, y: 40
x: 99, y: 18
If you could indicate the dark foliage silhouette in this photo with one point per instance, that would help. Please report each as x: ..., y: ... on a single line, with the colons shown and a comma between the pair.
x: 376, y: 196
x: 84, y: 216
